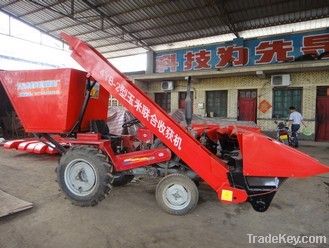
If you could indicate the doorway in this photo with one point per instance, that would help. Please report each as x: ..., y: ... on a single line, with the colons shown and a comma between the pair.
x: 322, y: 114
x: 181, y: 99
x: 163, y: 100
x: 247, y: 105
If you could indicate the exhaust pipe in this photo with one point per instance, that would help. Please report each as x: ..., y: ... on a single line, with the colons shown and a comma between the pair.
x: 188, y: 104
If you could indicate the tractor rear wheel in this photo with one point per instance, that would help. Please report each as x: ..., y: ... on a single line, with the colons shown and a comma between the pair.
x: 84, y: 175
x: 177, y: 194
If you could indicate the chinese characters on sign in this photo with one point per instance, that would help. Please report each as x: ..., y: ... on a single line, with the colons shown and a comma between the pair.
x: 152, y: 118
x: 232, y: 56
x: 38, y: 88
x: 166, y: 61
x: 200, y: 58
x: 316, y: 43
x: 273, y: 50
x: 241, y: 52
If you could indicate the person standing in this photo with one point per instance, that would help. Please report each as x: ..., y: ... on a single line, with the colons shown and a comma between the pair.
x: 295, y: 120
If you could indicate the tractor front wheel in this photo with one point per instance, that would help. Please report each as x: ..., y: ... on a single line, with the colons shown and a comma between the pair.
x: 84, y: 175
x: 177, y: 194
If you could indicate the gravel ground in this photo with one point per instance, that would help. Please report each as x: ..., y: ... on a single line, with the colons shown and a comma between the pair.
x: 130, y: 217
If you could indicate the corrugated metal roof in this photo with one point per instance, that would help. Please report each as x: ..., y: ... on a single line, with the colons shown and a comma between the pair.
x: 125, y: 27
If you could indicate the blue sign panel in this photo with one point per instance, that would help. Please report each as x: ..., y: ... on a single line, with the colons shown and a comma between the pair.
x: 240, y: 52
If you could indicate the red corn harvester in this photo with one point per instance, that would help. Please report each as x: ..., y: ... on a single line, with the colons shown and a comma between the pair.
x: 66, y: 110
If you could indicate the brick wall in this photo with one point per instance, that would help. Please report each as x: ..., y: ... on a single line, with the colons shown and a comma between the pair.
x: 308, y: 81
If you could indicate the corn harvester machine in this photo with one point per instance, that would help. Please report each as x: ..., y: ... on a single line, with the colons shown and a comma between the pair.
x: 66, y: 111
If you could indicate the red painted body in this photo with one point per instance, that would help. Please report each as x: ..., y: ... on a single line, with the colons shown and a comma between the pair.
x: 208, y: 166
x: 49, y: 101
x: 121, y: 162
x: 260, y: 155
x: 263, y: 156
x: 144, y: 135
x: 137, y: 159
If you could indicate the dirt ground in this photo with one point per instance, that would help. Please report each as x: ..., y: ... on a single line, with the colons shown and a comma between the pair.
x: 130, y: 217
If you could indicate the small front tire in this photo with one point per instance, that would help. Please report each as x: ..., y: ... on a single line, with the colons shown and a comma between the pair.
x: 177, y: 194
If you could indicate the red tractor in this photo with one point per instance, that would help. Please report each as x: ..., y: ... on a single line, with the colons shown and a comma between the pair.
x: 66, y: 110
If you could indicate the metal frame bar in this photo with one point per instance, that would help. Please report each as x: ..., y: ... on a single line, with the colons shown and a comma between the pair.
x: 182, y: 39
x: 40, y: 9
x: 147, y: 19
x: 79, y: 21
x: 166, y: 25
x: 232, y: 27
x: 120, y: 56
x: 9, y: 3
x: 77, y: 125
x: 118, y: 50
x: 124, y: 30
x: 276, y: 22
x: 160, y: 37
x: 57, y: 146
x: 222, y: 12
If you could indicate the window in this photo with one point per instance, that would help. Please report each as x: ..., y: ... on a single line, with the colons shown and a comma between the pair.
x: 216, y: 103
x: 181, y: 99
x: 163, y: 100
x: 283, y: 99
x: 322, y: 91
x: 247, y: 94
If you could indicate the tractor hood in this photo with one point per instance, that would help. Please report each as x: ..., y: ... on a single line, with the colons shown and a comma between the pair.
x: 263, y: 156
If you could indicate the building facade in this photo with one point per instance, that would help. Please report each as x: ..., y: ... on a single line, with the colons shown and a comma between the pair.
x: 225, y: 97
x: 234, y: 80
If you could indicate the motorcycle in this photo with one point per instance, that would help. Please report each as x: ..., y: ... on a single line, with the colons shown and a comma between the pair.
x: 283, y: 134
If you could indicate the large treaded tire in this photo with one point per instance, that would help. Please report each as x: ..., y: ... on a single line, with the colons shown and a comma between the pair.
x: 167, y: 192
x: 101, y: 173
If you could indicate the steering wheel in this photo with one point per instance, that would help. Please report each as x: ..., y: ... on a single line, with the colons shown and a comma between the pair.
x: 130, y: 123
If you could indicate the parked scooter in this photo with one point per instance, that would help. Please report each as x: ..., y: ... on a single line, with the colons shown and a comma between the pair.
x: 283, y: 134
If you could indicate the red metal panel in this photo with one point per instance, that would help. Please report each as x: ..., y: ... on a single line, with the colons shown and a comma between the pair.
x: 31, y: 146
x: 207, y: 166
x: 40, y: 148
x: 89, y: 136
x: 13, y: 144
x: 144, y: 135
x: 49, y: 101
x: 137, y: 159
x: 263, y: 156
x: 23, y: 146
x: 51, y: 150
